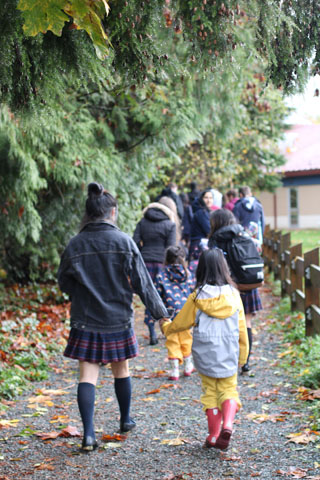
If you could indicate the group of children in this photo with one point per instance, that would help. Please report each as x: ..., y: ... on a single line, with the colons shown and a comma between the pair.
x: 210, y: 303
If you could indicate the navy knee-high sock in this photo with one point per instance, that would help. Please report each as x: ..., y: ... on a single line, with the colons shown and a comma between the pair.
x: 249, y: 330
x: 152, y: 330
x: 86, y: 397
x: 122, y: 388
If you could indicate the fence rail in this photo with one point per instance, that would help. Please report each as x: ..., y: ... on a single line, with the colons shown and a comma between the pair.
x: 299, y: 275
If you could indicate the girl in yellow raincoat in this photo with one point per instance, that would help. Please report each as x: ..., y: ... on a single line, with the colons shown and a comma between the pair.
x: 220, y: 342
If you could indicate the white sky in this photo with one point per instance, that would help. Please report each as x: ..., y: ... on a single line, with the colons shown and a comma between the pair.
x: 307, y: 105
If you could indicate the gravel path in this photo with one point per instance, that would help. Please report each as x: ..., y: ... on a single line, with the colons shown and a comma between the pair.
x: 171, y: 427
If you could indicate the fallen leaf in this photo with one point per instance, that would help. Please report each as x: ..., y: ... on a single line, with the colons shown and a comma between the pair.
x: 70, y: 431
x: 40, y: 399
x: 156, y: 390
x: 112, y: 445
x: 48, y: 436
x: 116, y: 436
x: 310, y: 395
x: 294, y: 472
x: 52, y: 392
x: 44, y: 466
x: 301, y: 438
x: 8, y: 423
x: 174, y: 441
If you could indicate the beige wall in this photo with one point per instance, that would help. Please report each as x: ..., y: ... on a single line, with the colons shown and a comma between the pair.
x: 308, y: 205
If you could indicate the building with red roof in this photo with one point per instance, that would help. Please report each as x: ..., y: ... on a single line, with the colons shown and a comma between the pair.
x: 297, y: 203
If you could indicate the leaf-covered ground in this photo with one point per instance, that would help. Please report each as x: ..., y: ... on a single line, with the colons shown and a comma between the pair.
x: 272, y: 440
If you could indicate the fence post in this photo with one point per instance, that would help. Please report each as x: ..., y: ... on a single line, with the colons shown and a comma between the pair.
x: 276, y: 255
x: 265, y: 247
x: 295, y: 280
x: 270, y: 250
x: 285, y: 241
x: 312, y: 288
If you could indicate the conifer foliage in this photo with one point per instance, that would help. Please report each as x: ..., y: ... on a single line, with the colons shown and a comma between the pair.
x: 117, y: 91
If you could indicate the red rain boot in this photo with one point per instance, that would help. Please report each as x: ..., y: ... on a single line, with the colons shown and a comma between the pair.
x: 229, y: 410
x: 214, y: 426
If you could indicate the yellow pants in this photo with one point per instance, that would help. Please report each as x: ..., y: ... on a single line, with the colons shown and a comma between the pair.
x: 217, y: 390
x: 179, y: 345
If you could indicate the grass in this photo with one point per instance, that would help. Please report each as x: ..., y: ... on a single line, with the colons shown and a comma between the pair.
x: 310, y: 239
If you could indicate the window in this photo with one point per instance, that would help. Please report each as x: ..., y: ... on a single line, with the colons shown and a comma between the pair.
x: 293, y: 207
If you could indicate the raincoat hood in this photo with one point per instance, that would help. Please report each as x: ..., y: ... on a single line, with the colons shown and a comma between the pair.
x: 249, y: 204
x: 156, y: 212
x: 217, y: 302
x: 176, y: 273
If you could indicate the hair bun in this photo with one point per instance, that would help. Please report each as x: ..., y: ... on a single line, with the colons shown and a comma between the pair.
x: 95, y: 188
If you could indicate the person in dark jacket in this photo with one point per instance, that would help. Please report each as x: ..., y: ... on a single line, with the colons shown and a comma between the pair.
x: 224, y: 228
x: 155, y: 232
x: 194, y: 192
x: 100, y: 269
x: 200, y: 226
x: 171, y: 191
x: 249, y: 209
x: 186, y: 219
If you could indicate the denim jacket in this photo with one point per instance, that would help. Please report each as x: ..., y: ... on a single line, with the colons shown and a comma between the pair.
x: 100, y: 269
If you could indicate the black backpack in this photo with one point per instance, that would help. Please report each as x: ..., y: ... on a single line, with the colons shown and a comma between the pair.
x: 243, y: 258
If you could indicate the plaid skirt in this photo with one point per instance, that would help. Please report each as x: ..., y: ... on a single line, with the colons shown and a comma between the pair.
x: 153, y: 268
x: 101, y: 347
x: 251, y: 301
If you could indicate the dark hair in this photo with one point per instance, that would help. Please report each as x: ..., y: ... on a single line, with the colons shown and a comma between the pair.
x: 174, y: 255
x: 99, y: 204
x: 202, y: 194
x: 213, y: 269
x: 221, y: 218
x: 232, y: 193
x: 193, y: 186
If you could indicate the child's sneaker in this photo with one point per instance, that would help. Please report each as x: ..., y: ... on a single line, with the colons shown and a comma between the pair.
x: 188, y: 366
x: 174, y: 373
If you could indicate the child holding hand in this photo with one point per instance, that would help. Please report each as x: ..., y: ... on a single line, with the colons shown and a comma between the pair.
x: 174, y: 284
x: 220, y: 342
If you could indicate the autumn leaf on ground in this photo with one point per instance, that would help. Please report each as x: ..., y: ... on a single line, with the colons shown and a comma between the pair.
x: 264, y: 417
x: 294, y: 472
x: 174, y: 442
x: 302, y: 437
x: 44, y: 466
x: 48, y: 436
x: 116, y: 437
x: 52, y: 392
x: 44, y: 399
x: 70, y: 431
x: 311, y: 395
x: 156, y: 390
x: 66, y: 432
x: 59, y: 418
x: 8, y: 423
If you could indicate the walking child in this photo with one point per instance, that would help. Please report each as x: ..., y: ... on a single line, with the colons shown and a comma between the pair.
x: 174, y: 284
x: 220, y: 342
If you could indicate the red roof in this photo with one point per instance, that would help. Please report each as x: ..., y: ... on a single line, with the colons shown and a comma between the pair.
x: 302, y: 150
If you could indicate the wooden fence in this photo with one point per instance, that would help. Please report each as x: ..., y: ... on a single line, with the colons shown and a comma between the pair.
x: 299, y: 275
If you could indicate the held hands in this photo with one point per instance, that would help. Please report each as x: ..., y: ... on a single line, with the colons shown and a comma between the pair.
x: 162, y: 321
